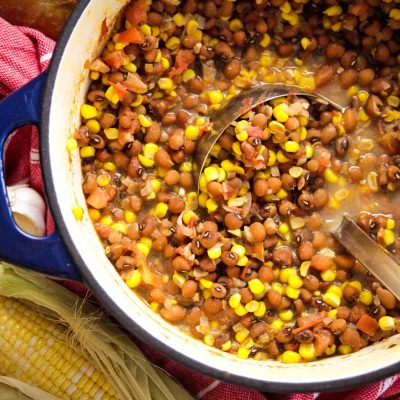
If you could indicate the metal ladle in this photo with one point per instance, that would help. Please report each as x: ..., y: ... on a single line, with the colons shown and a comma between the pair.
x: 348, y: 233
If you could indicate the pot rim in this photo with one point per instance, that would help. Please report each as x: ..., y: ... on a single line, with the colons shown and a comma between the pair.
x: 107, y: 302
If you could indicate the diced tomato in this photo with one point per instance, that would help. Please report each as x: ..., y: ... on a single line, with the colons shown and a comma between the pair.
x: 256, y: 132
x: 323, y: 163
x: 115, y: 59
x: 182, y: 61
x: 132, y: 35
x: 134, y: 83
x: 367, y: 325
x: 120, y: 89
x: 136, y: 13
x: 104, y: 29
x: 98, y: 198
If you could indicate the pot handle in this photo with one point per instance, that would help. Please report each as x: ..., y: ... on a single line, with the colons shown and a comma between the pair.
x: 47, y: 255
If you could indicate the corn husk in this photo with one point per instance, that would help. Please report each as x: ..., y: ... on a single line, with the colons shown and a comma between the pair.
x: 93, y: 335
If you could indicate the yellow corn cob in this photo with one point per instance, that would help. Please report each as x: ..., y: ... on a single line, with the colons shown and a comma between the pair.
x: 34, y: 350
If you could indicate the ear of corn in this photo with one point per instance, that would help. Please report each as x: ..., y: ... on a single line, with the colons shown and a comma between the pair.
x: 83, y: 357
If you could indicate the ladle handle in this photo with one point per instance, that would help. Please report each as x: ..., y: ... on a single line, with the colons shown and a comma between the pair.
x: 370, y: 254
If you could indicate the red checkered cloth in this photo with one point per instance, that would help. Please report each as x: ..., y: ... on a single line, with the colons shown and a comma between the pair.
x: 24, y: 53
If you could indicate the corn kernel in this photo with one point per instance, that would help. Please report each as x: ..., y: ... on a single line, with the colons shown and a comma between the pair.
x: 243, y: 261
x: 109, y: 166
x: 390, y: 223
x: 130, y: 216
x: 179, y: 19
x: 111, y: 95
x: 186, y: 166
x: 103, y: 180
x: 295, y: 281
x: 165, y: 83
x: 145, y: 250
x: 146, y: 29
x: 178, y: 279
x: 353, y: 90
x: 332, y: 299
x: 291, y: 357
x: 234, y: 300
x: 262, y: 309
x: 238, y: 249
x: 209, y: 339
x: 282, y: 193
x: 332, y: 314
x: 72, y: 144
x: 211, y: 173
x: 305, y: 42
x: 192, y: 132
x: 93, y: 126
x: 215, y: 96
x: 94, y: 75
x: 328, y: 275
x: 281, y: 112
x: 345, y: 349
x: 211, y: 205
x: 107, y: 220
x: 88, y: 111
x: 78, y: 212
x: 333, y: 11
x: 387, y: 323
x: 94, y: 214
x: 389, y: 237
x: 366, y: 297
x: 330, y: 176
x: 265, y: 41
x: 335, y: 289
x: 188, y: 75
x: 135, y: 279
x: 395, y: 14
x: 240, y: 310
x: 205, y: 283
x: 256, y: 286
x: 173, y: 43
x: 292, y: 293
x: 286, y: 315
x: 235, y: 25
x: 307, y: 351
x: 362, y: 115
x: 242, y: 136
x: 215, y: 252
x: 138, y: 101
x: 291, y: 147
x: 281, y: 157
x: 161, y: 210
x: 226, y: 346
x: 144, y: 121
x: 111, y: 133
x: 87, y: 151
x: 130, y: 67
x: 119, y: 227
x: 146, y: 162
x: 203, y: 197
x: 242, y: 335
x: 236, y: 148
x: 243, y: 353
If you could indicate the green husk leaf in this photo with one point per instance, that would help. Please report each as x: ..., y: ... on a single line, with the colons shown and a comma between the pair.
x: 91, y: 333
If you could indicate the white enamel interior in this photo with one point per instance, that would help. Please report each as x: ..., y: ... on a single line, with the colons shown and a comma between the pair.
x: 69, y: 91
